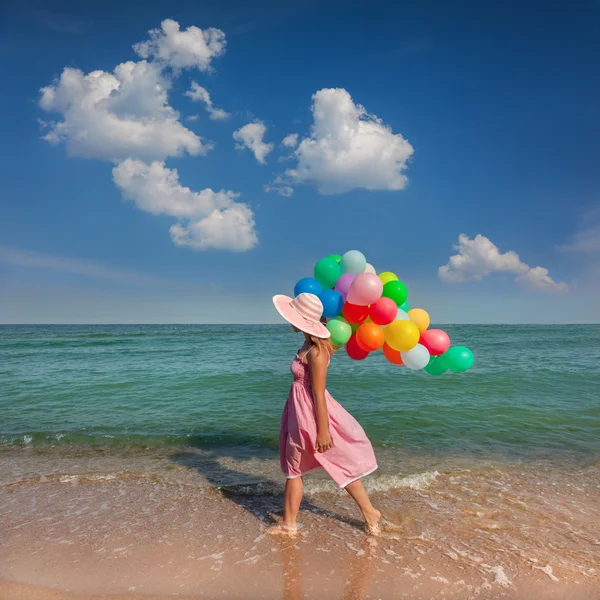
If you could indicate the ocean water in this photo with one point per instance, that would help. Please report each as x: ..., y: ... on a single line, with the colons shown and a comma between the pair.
x: 532, y: 395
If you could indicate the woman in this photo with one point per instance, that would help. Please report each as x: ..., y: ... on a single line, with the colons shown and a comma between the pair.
x: 316, y: 431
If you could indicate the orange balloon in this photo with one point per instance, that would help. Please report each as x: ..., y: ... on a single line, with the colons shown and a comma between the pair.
x: 392, y: 355
x: 370, y: 336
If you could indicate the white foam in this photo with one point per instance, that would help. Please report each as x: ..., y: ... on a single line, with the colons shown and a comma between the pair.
x: 548, y: 570
x: 380, y: 483
x: 500, y: 576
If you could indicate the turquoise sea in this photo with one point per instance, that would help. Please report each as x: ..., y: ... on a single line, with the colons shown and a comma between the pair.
x: 533, y: 394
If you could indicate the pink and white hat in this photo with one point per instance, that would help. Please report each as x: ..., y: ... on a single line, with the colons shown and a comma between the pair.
x: 303, y: 312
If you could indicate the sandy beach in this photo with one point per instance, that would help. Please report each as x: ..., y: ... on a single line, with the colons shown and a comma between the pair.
x: 496, y: 532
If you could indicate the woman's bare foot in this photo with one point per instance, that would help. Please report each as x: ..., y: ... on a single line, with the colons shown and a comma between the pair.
x: 282, y: 529
x: 372, y: 522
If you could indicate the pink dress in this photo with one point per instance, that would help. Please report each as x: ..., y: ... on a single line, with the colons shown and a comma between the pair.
x: 352, y: 455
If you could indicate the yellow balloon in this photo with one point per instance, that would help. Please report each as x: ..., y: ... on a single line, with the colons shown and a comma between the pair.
x: 420, y: 318
x: 387, y: 276
x: 402, y: 335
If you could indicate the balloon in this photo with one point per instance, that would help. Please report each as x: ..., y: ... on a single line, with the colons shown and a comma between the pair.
x: 365, y: 289
x: 459, y: 359
x: 355, y: 314
x: 340, y: 330
x: 343, y: 284
x: 395, y: 290
x: 417, y: 358
x: 392, y: 355
x: 401, y: 316
x: 387, y: 276
x: 353, y: 262
x: 383, y: 311
x: 355, y: 327
x: 436, y: 341
x: 332, y: 303
x: 354, y: 351
x: 370, y: 337
x: 327, y: 272
x: 405, y: 306
x: 420, y: 318
x: 370, y: 269
x: 437, y: 365
x: 402, y: 335
x: 308, y: 285
x: 335, y: 257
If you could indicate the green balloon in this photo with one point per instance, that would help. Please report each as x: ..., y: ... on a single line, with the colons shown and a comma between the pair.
x: 437, y: 365
x: 355, y: 327
x: 395, y: 290
x: 340, y: 330
x: 459, y: 359
x: 327, y: 272
x: 336, y: 257
x: 405, y: 306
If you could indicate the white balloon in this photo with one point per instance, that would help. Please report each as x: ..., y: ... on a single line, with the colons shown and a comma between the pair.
x: 402, y: 316
x: 417, y: 358
x: 370, y: 269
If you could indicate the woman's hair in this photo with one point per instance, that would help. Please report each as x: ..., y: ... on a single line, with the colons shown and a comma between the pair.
x: 323, y: 344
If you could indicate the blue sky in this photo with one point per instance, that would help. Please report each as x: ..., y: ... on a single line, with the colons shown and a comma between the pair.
x: 479, y: 119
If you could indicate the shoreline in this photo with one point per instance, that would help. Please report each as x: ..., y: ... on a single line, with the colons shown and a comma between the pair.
x: 491, y: 532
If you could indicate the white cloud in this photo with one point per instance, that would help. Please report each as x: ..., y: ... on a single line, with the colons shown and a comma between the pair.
x: 587, y: 239
x: 290, y: 141
x: 199, y: 94
x: 283, y: 190
x: 192, y: 48
x: 46, y: 262
x: 479, y: 257
x: 112, y: 116
x: 251, y: 136
x: 348, y: 148
x: 207, y: 219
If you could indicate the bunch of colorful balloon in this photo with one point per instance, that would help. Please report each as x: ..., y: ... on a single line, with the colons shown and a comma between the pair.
x: 369, y: 311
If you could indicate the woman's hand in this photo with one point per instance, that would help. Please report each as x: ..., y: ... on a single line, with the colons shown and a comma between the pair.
x: 323, y: 441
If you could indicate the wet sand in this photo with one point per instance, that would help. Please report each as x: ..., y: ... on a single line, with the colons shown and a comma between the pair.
x: 510, y: 532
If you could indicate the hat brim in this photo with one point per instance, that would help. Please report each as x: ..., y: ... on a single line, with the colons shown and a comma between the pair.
x: 293, y: 317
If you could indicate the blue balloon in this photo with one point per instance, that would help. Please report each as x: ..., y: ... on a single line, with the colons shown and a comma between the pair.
x: 332, y: 303
x: 308, y: 285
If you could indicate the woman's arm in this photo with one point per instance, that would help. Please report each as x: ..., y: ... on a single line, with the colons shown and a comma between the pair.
x: 319, y: 362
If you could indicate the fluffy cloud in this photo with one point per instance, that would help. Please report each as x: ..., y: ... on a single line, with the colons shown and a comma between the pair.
x: 192, y: 48
x: 290, y: 141
x: 199, y: 94
x: 251, y: 136
x: 479, y: 257
x: 348, y: 148
x: 279, y: 187
x: 207, y: 219
x: 112, y: 116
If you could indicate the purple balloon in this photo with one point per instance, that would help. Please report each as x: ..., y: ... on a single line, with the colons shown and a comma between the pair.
x: 343, y: 284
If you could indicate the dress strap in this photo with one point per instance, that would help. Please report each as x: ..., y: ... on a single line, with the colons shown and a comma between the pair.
x: 302, y: 358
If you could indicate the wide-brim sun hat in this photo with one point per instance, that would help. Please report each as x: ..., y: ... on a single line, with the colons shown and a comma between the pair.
x: 304, y: 312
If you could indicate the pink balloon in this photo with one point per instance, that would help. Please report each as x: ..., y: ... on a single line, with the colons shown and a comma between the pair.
x: 365, y: 289
x: 435, y: 340
x: 383, y: 311
x: 343, y: 284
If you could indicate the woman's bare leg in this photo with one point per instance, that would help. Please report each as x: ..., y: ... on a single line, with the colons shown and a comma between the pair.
x: 372, y: 516
x: 291, y: 505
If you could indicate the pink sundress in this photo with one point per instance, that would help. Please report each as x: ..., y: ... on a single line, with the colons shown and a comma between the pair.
x: 352, y: 455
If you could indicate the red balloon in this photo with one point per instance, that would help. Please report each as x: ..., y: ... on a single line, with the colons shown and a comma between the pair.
x: 355, y: 352
x: 392, y: 355
x: 354, y: 313
x: 383, y: 311
x: 435, y: 340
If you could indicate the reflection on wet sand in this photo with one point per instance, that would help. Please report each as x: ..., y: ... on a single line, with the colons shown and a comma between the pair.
x: 359, y: 574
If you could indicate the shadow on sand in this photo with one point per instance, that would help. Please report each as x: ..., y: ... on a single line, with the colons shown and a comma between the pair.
x: 259, y: 495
